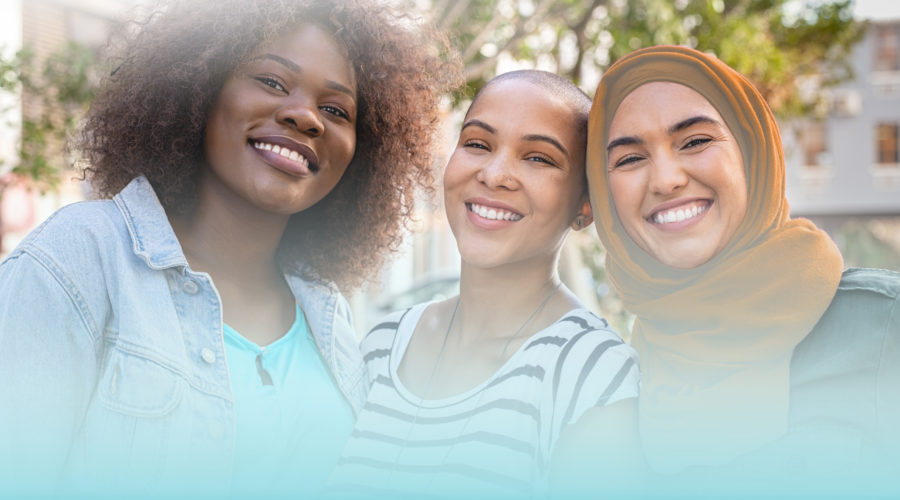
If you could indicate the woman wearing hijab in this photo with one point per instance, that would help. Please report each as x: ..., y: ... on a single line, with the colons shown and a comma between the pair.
x: 756, y: 348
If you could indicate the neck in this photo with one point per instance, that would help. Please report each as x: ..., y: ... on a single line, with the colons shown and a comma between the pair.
x: 227, y: 237
x: 501, y: 299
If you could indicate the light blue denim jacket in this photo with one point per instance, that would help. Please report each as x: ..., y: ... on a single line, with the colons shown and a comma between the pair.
x: 112, y: 355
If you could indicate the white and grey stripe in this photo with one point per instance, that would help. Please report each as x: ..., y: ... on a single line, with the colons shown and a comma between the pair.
x: 496, y: 438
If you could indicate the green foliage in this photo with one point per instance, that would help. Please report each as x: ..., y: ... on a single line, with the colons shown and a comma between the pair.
x: 791, y: 50
x: 55, y: 93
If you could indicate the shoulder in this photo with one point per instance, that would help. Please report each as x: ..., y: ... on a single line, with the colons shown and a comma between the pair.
x: 581, y: 330
x: 858, y: 328
x: 77, y: 226
x: 380, y: 337
x: 62, y: 266
x: 881, y: 282
x: 591, y: 365
x: 865, y: 299
x: 581, y: 347
x: 75, y: 242
x: 849, y: 356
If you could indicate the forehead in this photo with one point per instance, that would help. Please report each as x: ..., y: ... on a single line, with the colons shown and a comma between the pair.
x: 518, y: 104
x: 312, y: 47
x: 661, y: 104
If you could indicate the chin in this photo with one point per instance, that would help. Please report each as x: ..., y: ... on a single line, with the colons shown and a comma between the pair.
x: 689, y: 261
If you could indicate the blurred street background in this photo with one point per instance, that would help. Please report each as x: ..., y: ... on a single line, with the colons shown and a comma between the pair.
x: 830, y: 70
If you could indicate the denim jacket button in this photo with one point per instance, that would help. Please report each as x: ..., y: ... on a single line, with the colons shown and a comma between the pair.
x: 191, y: 287
x: 208, y: 355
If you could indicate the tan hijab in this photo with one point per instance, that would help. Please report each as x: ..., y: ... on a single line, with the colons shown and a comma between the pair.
x: 715, y: 341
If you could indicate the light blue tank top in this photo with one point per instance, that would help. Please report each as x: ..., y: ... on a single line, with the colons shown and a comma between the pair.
x: 292, y: 421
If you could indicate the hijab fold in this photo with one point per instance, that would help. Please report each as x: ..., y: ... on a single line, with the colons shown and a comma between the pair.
x: 715, y: 341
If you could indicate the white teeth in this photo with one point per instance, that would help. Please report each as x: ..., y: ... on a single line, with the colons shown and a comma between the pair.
x: 678, y: 215
x: 493, y: 213
x: 285, y: 152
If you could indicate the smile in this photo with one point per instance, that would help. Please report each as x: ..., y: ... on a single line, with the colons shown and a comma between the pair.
x: 678, y: 215
x: 285, y: 152
x: 493, y: 213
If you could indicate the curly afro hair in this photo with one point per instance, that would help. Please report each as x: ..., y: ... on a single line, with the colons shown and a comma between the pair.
x: 150, y: 114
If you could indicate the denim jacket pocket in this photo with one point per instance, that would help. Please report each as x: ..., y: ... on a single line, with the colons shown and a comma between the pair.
x: 134, y: 385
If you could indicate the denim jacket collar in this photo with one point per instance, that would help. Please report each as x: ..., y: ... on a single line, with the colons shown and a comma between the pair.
x: 151, y: 233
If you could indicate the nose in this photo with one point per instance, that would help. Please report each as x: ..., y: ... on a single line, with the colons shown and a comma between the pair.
x: 667, y: 174
x: 498, y: 172
x: 301, y: 114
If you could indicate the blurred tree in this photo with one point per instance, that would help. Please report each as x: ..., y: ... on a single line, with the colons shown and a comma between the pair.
x: 54, y: 93
x: 790, y: 49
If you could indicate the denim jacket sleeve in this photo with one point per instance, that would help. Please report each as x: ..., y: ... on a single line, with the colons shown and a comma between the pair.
x: 49, y: 347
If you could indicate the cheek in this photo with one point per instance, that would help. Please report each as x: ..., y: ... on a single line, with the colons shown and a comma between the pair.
x: 736, y: 181
x: 572, y: 196
x: 627, y: 193
x: 222, y: 131
x: 625, y: 196
x: 453, y: 172
x: 349, y: 146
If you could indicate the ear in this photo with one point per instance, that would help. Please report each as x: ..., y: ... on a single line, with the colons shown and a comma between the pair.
x: 585, y: 216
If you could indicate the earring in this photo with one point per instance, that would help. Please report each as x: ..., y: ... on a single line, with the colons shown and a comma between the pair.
x: 579, y: 221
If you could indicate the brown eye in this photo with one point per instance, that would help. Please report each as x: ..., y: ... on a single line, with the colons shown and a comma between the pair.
x: 626, y: 160
x: 697, y: 141
x: 336, y: 111
x: 270, y: 82
x: 540, y: 159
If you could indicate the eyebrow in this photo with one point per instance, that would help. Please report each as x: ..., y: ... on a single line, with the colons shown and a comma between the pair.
x: 287, y: 63
x: 480, y: 124
x: 683, y: 124
x: 548, y: 140
x: 291, y: 65
x: 530, y: 137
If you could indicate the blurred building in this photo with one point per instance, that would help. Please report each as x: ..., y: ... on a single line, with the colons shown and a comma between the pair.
x: 843, y: 171
x: 849, y: 162
x: 44, y: 27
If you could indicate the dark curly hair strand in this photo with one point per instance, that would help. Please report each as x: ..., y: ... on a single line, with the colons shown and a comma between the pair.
x: 150, y: 115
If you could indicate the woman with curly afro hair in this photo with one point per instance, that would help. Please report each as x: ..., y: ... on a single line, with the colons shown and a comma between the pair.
x: 186, y: 331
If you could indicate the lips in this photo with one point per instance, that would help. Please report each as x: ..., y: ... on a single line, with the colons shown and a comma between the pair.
x: 296, y: 157
x: 493, y: 212
x: 679, y: 212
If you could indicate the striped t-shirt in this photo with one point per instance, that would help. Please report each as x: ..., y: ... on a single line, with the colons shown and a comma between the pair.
x: 494, y: 439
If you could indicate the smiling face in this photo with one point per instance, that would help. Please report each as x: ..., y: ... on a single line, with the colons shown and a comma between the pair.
x: 283, y: 128
x: 676, y: 174
x: 515, y: 182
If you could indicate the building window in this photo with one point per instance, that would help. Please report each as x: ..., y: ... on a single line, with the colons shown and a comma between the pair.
x: 812, y: 142
x: 888, y: 143
x: 887, y: 47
